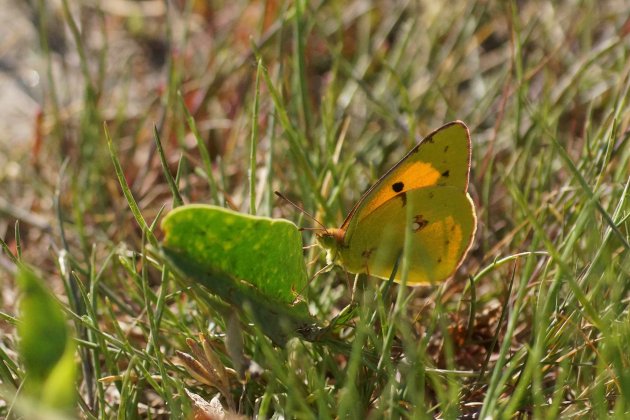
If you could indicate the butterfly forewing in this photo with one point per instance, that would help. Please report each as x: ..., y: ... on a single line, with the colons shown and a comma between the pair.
x: 441, y: 159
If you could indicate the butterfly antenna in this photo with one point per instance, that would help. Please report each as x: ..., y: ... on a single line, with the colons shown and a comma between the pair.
x: 301, y: 210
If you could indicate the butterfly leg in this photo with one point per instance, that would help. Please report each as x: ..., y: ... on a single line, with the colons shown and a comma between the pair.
x: 320, y: 271
x: 324, y: 269
x: 354, y: 288
x: 314, y: 260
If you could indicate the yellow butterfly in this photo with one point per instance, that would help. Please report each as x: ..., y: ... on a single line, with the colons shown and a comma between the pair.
x: 425, y: 195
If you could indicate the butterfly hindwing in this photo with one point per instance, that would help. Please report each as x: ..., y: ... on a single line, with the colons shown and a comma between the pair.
x: 442, y: 223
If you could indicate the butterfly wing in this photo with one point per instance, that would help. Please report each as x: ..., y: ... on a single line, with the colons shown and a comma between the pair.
x: 441, y: 220
x: 441, y: 159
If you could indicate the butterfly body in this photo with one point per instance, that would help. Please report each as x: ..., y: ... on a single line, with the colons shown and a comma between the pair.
x: 424, y: 196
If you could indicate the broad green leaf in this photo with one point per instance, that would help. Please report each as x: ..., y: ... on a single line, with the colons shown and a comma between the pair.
x: 267, y: 253
x: 58, y: 390
x: 45, y: 344
x: 253, y: 263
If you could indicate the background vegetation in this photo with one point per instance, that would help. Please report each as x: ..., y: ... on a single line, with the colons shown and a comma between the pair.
x: 330, y: 93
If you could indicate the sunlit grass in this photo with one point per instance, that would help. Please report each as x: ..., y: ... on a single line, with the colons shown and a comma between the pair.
x: 317, y: 100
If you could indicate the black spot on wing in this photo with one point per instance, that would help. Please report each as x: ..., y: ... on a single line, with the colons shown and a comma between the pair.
x: 446, y: 173
x: 398, y: 186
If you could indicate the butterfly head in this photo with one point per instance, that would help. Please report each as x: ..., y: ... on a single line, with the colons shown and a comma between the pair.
x: 331, y: 240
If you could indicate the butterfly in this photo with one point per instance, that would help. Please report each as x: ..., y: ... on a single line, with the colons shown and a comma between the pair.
x: 425, y: 196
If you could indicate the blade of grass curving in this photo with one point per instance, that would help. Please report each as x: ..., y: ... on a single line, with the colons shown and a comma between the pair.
x: 79, y: 43
x: 18, y: 240
x: 91, y: 309
x: 8, y: 252
x: 501, y: 371
x: 495, y: 337
x: 296, y: 140
x: 51, y: 82
x: 177, y: 198
x: 547, y: 299
x: 87, y: 347
x: 203, y: 152
x: 128, y: 391
x: 9, y: 371
x: 300, y: 60
x: 254, y: 142
x: 564, y: 272
x: 133, y: 206
x: 589, y: 192
x: 349, y: 404
x: 617, y: 215
x: 274, y: 359
x: 154, y: 315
